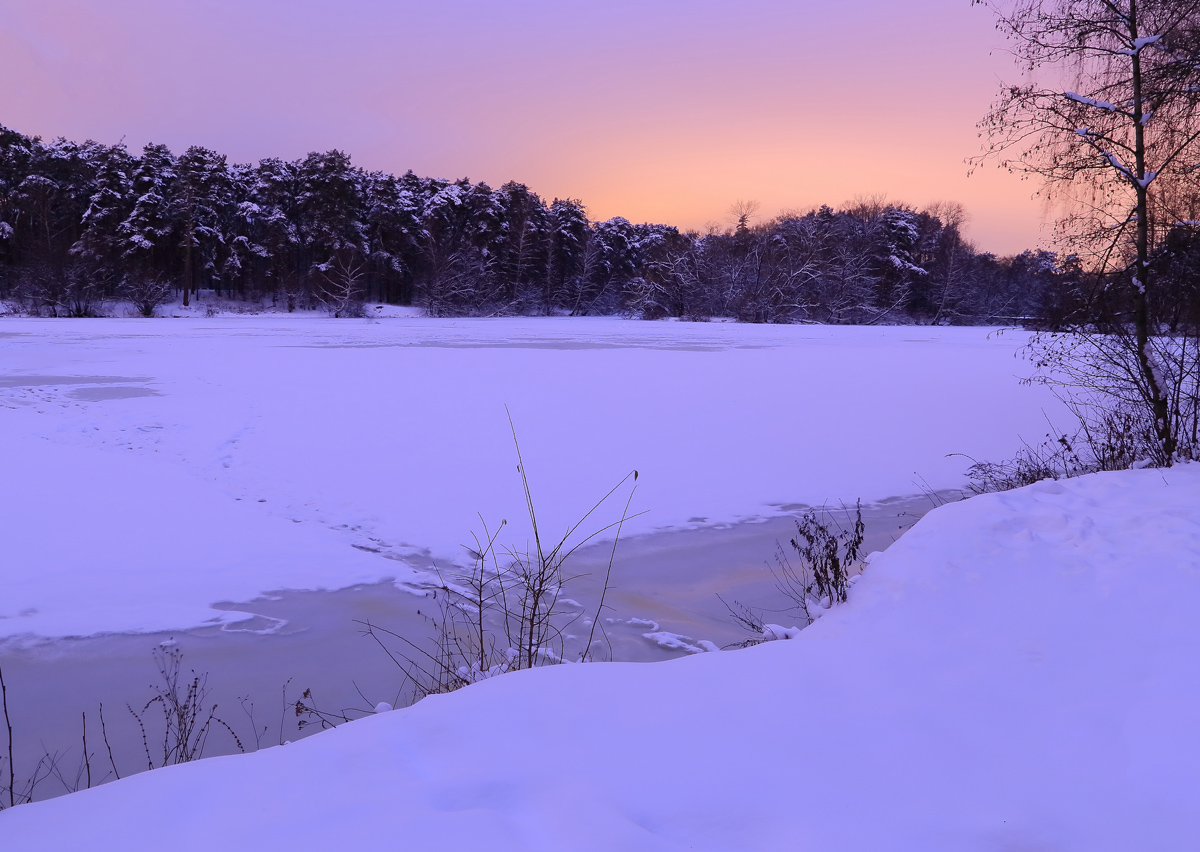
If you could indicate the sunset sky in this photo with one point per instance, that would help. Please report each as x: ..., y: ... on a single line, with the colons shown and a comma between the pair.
x: 656, y: 110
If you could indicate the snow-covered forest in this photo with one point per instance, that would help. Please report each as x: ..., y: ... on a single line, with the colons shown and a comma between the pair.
x: 82, y: 224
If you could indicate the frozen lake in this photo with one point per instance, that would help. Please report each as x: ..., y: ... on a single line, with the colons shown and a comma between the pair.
x: 158, y: 466
x: 164, y: 475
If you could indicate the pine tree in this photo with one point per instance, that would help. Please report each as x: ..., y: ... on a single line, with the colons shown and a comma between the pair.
x: 524, y: 251
x: 201, y: 200
x: 274, y: 222
x: 569, y: 232
x: 109, y: 206
x: 147, y: 237
x: 391, y: 232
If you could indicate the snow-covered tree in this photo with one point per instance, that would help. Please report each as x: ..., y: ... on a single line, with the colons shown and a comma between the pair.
x: 392, y: 226
x: 451, y: 266
x: 329, y: 204
x: 201, y: 200
x: 609, y: 262
x: 272, y: 211
x: 522, y: 264
x: 569, y: 231
x: 147, y: 236
x: 1110, y: 121
x: 110, y: 204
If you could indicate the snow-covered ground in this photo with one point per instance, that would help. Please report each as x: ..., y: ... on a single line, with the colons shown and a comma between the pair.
x: 155, y: 467
x: 1017, y: 672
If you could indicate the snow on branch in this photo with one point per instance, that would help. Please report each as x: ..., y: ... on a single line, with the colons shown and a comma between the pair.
x: 1139, y: 44
x: 1092, y: 102
x: 1118, y: 165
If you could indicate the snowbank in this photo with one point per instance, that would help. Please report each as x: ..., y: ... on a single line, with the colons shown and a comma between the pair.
x: 1018, y: 672
x: 155, y: 467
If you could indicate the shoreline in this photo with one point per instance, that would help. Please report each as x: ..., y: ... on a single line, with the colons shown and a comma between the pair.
x: 661, y: 605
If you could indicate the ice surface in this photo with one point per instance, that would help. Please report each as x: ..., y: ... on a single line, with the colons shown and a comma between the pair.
x: 154, y: 467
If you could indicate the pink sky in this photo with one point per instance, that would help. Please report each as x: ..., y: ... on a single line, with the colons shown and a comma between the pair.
x: 656, y: 110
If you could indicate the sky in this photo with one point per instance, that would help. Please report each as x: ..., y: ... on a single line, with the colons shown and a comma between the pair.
x: 656, y: 110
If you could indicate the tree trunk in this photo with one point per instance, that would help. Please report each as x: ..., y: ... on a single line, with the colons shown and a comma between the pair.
x: 187, y: 259
x: 1141, y: 317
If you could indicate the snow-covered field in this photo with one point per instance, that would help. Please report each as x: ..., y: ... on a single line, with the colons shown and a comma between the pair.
x: 155, y: 467
x: 1018, y: 672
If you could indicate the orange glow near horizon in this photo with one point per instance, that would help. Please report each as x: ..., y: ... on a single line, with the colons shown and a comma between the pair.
x: 664, y: 111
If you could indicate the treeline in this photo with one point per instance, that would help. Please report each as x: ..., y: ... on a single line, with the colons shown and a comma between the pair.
x: 82, y: 224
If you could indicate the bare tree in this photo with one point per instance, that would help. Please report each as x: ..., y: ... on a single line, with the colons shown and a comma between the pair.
x: 742, y: 212
x: 147, y: 290
x: 1116, y: 134
x: 341, y: 283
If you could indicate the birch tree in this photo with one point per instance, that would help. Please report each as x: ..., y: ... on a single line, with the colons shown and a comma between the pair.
x: 1109, y: 120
